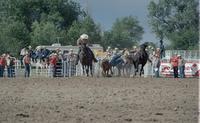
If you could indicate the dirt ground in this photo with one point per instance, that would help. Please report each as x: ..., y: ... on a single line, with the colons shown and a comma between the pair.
x: 98, y: 100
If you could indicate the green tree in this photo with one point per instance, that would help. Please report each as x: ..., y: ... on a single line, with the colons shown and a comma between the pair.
x: 87, y: 26
x: 176, y: 21
x: 36, y: 22
x: 30, y: 11
x: 45, y: 33
x: 125, y: 32
x: 13, y: 36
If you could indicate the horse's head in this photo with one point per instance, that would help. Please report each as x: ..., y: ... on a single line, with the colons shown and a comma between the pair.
x: 144, y: 45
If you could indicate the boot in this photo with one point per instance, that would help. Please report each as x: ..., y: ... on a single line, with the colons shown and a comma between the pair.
x: 77, y: 59
x: 95, y: 60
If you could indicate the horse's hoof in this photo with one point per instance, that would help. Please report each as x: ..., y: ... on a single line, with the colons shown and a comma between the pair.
x: 108, y: 76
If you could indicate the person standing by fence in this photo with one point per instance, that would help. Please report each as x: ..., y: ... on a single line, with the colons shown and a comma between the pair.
x: 23, y: 52
x: 27, y: 64
x: 10, y: 65
x: 174, y: 63
x: 181, y: 66
x: 52, y: 64
x: 156, y: 65
x: 2, y: 64
x: 71, y: 62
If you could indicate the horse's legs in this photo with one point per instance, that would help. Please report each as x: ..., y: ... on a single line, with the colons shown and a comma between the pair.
x: 141, y: 70
x: 110, y: 70
x: 135, y: 68
x: 91, y: 70
x: 83, y: 67
x: 87, y: 70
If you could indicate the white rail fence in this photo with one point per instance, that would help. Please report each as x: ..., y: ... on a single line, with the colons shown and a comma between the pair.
x: 69, y: 69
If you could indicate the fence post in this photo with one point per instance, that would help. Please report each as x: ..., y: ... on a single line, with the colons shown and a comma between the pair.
x: 70, y: 69
x: 64, y: 65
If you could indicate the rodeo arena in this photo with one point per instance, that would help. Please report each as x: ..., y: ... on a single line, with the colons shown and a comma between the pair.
x: 60, y: 61
x: 85, y: 84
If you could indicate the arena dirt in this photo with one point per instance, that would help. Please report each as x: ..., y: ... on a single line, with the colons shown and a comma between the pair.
x: 98, y: 100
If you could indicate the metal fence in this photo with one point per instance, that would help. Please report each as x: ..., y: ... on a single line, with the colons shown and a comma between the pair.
x: 62, y: 69
x: 186, y: 54
x: 69, y: 69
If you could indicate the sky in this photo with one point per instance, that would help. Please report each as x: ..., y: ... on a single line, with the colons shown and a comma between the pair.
x: 105, y: 12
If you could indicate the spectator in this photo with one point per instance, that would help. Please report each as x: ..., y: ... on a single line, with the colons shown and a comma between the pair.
x: 156, y: 65
x: 23, y: 52
x: 181, y: 66
x: 65, y: 55
x: 52, y: 66
x: 31, y: 53
x: 27, y: 63
x: 174, y: 63
x: 71, y: 61
x: 2, y: 64
x: 157, y: 52
x: 10, y: 66
x: 71, y: 56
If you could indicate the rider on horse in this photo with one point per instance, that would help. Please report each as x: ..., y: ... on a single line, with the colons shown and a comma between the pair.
x: 83, y: 41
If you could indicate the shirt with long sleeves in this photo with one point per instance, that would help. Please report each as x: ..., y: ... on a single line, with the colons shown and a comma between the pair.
x: 174, y: 61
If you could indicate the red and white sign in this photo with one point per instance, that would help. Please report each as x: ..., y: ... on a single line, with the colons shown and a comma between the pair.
x: 167, y: 70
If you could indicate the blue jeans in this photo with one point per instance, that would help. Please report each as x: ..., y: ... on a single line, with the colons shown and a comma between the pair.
x: 175, y: 69
x: 10, y: 70
x: 156, y: 72
x: 27, y: 70
x: 1, y: 70
x: 182, y: 71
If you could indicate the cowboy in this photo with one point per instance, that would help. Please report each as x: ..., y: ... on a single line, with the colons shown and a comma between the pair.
x: 109, y: 50
x: 116, y: 58
x: 83, y: 41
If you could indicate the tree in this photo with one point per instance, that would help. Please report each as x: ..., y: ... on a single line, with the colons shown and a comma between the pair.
x: 13, y: 36
x: 176, y: 21
x: 45, y: 33
x: 30, y: 11
x: 36, y: 22
x: 87, y: 26
x: 125, y: 32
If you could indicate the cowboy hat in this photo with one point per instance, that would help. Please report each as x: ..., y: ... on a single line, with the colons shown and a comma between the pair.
x: 84, y: 36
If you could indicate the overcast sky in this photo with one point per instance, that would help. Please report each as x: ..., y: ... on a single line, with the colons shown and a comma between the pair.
x: 105, y: 12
